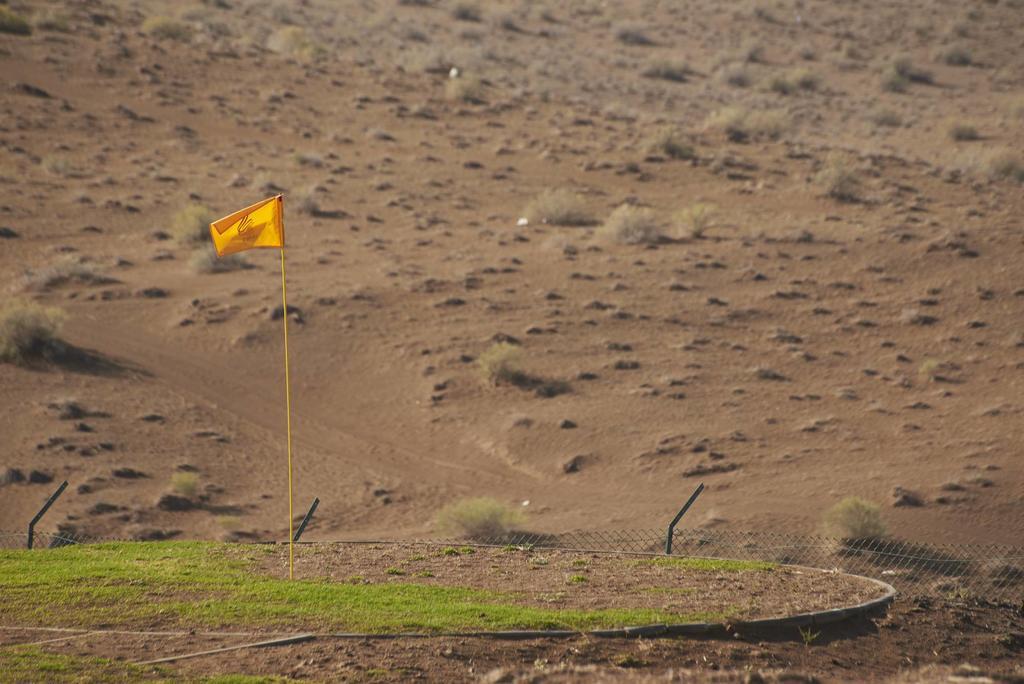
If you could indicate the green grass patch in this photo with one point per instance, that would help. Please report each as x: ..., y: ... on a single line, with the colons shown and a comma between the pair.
x: 192, y: 584
x: 709, y: 564
x: 31, y: 664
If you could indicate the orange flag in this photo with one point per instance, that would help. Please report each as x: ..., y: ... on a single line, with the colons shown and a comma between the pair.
x: 260, y: 225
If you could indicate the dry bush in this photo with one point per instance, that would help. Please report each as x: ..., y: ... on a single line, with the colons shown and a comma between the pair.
x: 52, y: 19
x: 901, y: 72
x: 631, y: 225
x: 839, y: 180
x: 740, y: 125
x: 667, y: 71
x: 669, y: 142
x: 805, y: 79
x: 13, y: 23
x: 1006, y: 165
x: 630, y: 34
x: 466, y: 12
x: 28, y: 331
x: 165, y: 28
x: 956, y: 56
x: 736, y: 76
x: 205, y: 260
x: 501, y: 363
x: 191, y: 225
x: 69, y: 271
x: 295, y: 42
x: 886, y: 117
x: 962, y: 132
x: 185, y: 484
x: 480, y: 519
x: 854, y: 518
x: 559, y: 207
x: 693, y: 221
x: 464, y: 89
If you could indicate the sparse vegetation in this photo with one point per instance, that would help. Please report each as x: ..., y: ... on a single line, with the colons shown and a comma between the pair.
x: 736, y: 76
x: 956, y: 56
x: 633, y: 35
x: 466, y: 12
x: 693, y: 221
x: 28, y: 331
x: 901, y: 72
x: 205, y: 260
x: 295, y: 42
x: 854, y: 518
x: 52, y: 19
x: 559, y: 207
x: 12, y: 23
x: 500, y: 363
x: 839, y: 180
x: 191, y: 225
x: 68, y: 271
x: 185, y: 483
x: 886, y: 117
x: 667, y: 71
x: 480, y: 519
x: 631, y: 225
x: 670, y: 143
x: 165, y: 28
x: 1006, y: 165
x: 741, y: 125
x: 464, y: 89
x: 962, y: 132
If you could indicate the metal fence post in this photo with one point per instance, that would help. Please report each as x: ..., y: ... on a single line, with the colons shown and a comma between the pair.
x: 42, y: 511
x: 679, y: 516
x: 305, y: 521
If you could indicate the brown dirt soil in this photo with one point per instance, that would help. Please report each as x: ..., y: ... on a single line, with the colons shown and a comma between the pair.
x: 918, y: 640
x: 565, y: 579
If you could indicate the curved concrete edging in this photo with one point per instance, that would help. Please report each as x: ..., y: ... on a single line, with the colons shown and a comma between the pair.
x: 819, y: 617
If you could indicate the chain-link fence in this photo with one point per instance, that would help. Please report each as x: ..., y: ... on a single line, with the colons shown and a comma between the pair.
x: 988, y: 571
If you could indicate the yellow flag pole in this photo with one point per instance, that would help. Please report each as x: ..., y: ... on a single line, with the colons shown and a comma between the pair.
x: 288, y: 409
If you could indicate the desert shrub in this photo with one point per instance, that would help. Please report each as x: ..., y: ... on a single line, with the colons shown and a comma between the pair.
x: 52, y: 20
x: 805, y: 79
x: 501, y: 363
x: 667, y: 71
x: 901, y: 72
x: 205, y: 260
x: 466, y: 12
x: 165, y: 28
x: 782, y: 85
x: 191, y: 225
x: 962, y: 132
x: 736, y: 76
x: 886, y: 117
x: 28, y: 331
x: 13, y: 23
x: 839, y: 180
x: 855, y: 518
x: 669, y: 142
x: 1006, y: 165
x: 481, y: 518
x: 631, y: 225
x: 632, y: 35
x: 693, y: 221
x: 956, y: 56
x: 740, y: 125
x: 752, y: 53
x: 68, y: 271
x: 294, y: 41
x: 559, y: 207
x: 185, y: 484
x: 464, y: 89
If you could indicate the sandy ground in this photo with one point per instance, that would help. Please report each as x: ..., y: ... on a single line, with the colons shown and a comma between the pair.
x: 801, y: 349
